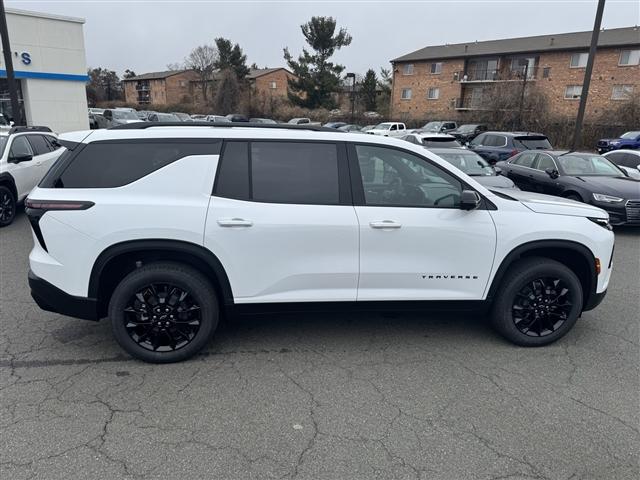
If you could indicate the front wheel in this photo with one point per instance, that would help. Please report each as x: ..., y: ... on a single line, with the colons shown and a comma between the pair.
x: 7, y: 206
x: 163, y: 312
x: 539, y: 302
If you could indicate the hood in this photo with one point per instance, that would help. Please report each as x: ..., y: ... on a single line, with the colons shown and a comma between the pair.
x: 624, y: 187
x: 494, y: 181
x: 540, y: 203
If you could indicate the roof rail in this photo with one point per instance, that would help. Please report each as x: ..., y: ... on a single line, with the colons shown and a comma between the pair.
x: 23, y: 129
x: 287, y: 126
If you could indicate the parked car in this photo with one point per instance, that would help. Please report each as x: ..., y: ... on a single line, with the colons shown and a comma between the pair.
x: 96, y: 110
x: 584, y: 177
x: 335, y: 125
x: 217, y: 119
x: 26, y: 153
x: 126, y: 109
x: 144, y: 114
x: 389, y: 129
x: 262, y: 120
x: 435, y: 140
x: 183, y: 117
x: 366, y: 128
x: 439, y: 127
x: 628, y: 141
x: 97, y: 121
x: 302, y: 121
x: 350, y: 128
x: 120, y: 117
x: 237, y: 117
x: 627, y: 160
x: 466, y: 133
x: 475, y: 166
x: 164, y: 274
x: 162, y: 117
x: 497, y: 146
x: 199, y: 118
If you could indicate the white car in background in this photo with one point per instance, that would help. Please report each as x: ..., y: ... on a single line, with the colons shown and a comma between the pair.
x: 389, y: 129
x: 433, y: 140
x: 627, y: 160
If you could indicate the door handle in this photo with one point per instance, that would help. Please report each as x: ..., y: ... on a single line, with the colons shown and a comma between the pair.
x: 385, y: 224
x: 234, y: 222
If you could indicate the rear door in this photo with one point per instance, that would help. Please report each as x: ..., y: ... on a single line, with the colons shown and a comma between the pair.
x: 282, y: 223
x: 44, y: 154
x: 520, y: 170
x: 415, y: 241
x: 25, y: 172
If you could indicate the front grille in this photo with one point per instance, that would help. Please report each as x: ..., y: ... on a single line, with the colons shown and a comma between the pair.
x: 633, y: 211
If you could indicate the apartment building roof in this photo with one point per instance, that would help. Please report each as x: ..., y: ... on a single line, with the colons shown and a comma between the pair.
x: 615, y: 37
x: 154, y: 75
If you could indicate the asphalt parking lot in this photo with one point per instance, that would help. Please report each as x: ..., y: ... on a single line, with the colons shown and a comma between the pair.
x: 321, y: 396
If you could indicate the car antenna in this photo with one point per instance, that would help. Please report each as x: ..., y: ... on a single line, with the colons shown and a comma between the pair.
x: 566, y: 153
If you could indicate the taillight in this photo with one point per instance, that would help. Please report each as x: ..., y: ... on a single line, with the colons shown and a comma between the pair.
x: 35, y: 209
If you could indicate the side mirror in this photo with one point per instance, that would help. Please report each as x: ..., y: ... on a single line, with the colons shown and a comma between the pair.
x: 469, y: 200
x: 20, y: 158
x: 498, y: 170
x: 552, y: 172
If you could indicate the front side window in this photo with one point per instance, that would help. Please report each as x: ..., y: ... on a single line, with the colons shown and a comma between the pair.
x: 622, y: 92
x: 39, y: 144
x: 406, y: 94
x: 573, y: 92
x: 579, y: 60
x: 433, y: 93
x: 20, y: 148
x: 396, y: 178
x: 407, y: 69
x: 544, y: 162
x: 279, y: 172
x: 629, y: 57
x: 436, y: 68
x: 525, y: 160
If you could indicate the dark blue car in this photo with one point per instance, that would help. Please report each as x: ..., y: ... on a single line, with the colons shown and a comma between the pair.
x: 497, y: 146
x: 628, y: 141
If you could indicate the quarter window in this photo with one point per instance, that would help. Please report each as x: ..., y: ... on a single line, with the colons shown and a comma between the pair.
x: 629, y: 57
x: 579, y: 60
x: 573, y: 92
x: 436, y: 68
x: 433, y: 93
x: 396, y: 178
x: 407, y: 69
x: 406, y: 94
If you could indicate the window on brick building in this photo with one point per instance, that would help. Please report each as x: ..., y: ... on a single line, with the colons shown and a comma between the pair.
x: 407, y: 69
x: 433, y: 93
x: 622, y: 92
x: 546, y: 71
x: 406, y: 94
x: 273, y: 85
x: 436, y: 68
x: 579, y: 60
x: 573, y: 92
x: 629, y: 57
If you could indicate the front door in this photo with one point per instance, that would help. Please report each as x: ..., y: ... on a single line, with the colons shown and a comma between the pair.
x: 282, y: 223
x: 26, y: 172
x: 415, y: 241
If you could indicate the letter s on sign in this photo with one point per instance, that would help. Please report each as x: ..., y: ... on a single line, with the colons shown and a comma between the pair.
x: 26, y: 58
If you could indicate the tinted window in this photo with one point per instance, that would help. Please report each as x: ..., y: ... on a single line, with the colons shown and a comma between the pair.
x: 625, y: 159
x: 114, y: 164
x: 289, y: 172
x: 544, y: 162
x: 51, y: 141
x: 233, y: 173
x: 532, y: 143
x: 396, y: 178
x: 525, y: 160
x: 20, y: 147
x: 39, y: 144
x: 479, y: 140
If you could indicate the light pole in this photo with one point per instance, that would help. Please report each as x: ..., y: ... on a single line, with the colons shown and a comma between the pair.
x: 8, y: 60
x: 352, y: 76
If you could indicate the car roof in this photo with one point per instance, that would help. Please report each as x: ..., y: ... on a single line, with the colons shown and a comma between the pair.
x: 624, y: 150
x: 433, y: 135
x: 437, y: 150
x: 515, y: 134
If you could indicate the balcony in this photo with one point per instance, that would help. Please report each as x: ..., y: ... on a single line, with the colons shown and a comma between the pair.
x: 468, y: 103
x: 480, y: 75
x: 143, y: 87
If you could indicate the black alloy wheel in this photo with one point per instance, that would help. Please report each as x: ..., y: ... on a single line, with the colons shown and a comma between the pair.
x: 542, y: 306
x: 162, y: 317
x: 7, y: 206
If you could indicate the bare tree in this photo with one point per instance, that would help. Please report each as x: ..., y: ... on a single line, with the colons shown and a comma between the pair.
x: 175, y: 66
x: 202, y: 60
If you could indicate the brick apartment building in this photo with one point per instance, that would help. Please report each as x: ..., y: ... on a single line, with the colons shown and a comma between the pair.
x: 455, y: 81
x: 160, y: 88
x: 183, y: 86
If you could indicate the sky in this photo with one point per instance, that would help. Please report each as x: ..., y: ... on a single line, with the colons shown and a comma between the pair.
x: 145, y: 36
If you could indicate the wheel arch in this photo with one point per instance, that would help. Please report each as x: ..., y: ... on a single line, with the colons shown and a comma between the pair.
x: 577, y: 257
x: 572, y: 191
x: 118, y: 260
x: 7, y: 180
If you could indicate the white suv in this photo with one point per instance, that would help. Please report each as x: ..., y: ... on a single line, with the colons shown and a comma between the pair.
x: 26, y: 153
x: 164, y: 228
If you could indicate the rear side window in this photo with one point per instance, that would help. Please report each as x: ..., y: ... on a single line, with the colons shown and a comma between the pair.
x: 39, y: 144
x: 114, y: 164
x: 279, y: 172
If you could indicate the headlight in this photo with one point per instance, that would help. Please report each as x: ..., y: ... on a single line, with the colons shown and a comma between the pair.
x: 603, y: 222
x: 601, y: 197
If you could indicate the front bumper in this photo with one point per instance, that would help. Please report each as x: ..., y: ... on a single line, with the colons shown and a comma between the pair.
x: 624, y: 213
x: 52, y: 299
x: 593, y: 301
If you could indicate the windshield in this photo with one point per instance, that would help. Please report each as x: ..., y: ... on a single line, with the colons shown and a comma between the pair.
x: 532, y: 143
x: 630, y: 135
x: 432, y: 126
x: 382, y: 126
x: 123, y: 115
x: 469, y: 162
x: 587, y: 164
x: 466, y: 128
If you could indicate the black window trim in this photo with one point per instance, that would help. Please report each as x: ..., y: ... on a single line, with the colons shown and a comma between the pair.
x: 345, y: 195
x: 357, y: 187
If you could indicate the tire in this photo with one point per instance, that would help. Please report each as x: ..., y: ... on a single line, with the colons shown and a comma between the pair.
x: 163, y: 312
x: 7, y: 206
x: 521, y: 313
x: 573, y: 196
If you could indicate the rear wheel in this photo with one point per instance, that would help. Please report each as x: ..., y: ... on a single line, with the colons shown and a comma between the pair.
x: 163, y: 312
x: 539, y: 302
x: 7, y: 206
